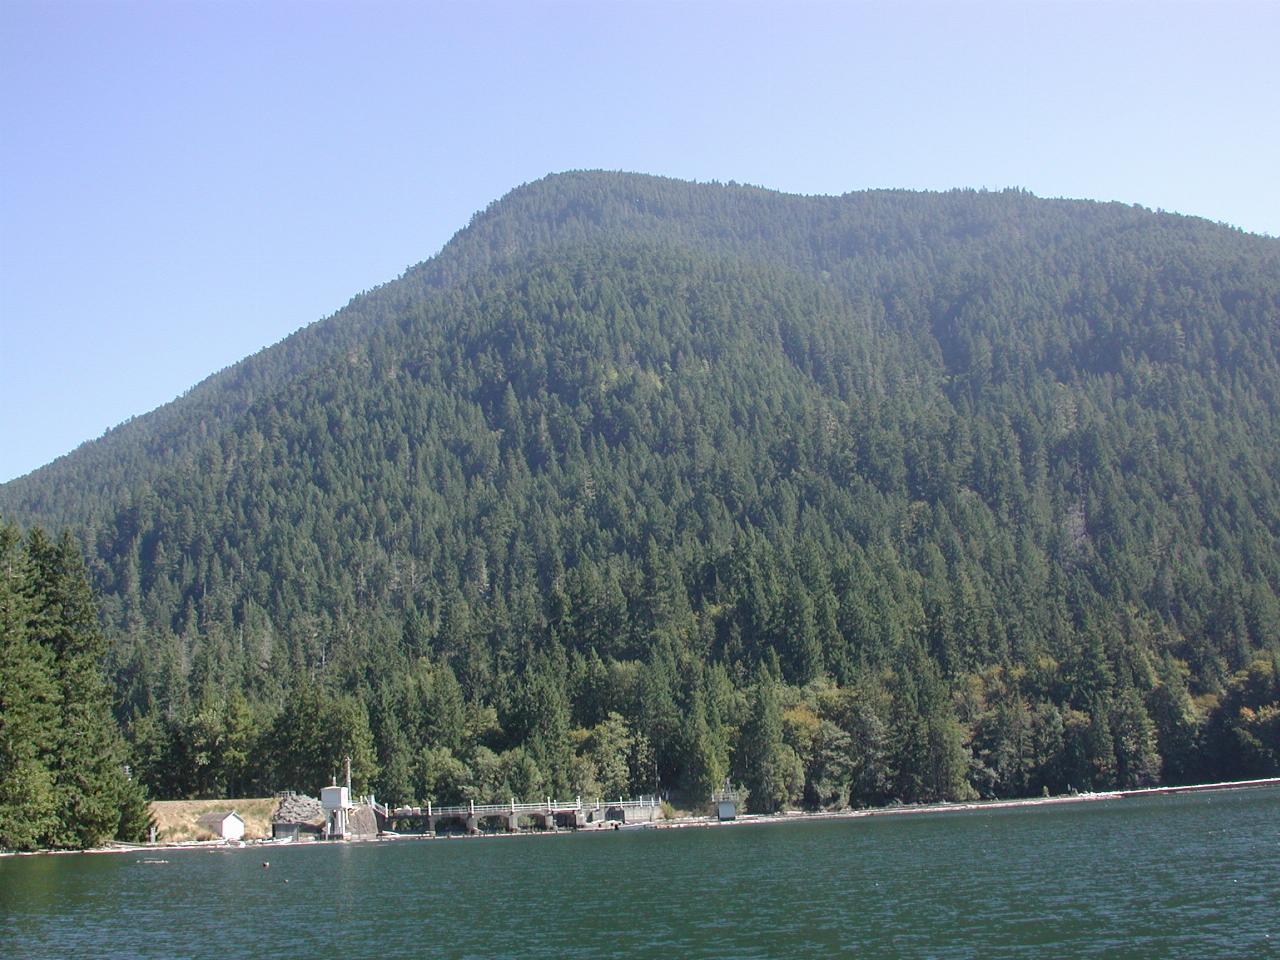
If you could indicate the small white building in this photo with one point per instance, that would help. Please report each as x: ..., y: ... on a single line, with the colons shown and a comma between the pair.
x: 335, y: 797
x: 227, y: 825
x: 337, y: 807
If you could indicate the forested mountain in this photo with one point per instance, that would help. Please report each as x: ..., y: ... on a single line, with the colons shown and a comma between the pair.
x: 641, y: 482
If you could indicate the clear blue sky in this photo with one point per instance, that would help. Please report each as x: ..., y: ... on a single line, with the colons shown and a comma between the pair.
x: 182, y: 184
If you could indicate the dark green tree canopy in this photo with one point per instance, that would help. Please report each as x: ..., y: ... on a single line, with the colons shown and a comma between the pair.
x: 978, y: 490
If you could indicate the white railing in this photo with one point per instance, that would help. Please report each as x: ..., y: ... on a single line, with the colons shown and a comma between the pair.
x: 639, y: 803
x: 473, y: 809
x: 545, y: 807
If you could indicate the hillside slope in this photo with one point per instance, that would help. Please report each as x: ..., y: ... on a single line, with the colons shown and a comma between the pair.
x: 938, y: 492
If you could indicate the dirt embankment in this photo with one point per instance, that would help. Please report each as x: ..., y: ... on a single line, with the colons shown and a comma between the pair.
x: 176, y: 819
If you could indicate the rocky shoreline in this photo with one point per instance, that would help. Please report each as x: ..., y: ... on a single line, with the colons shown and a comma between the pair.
x: 689, y: 822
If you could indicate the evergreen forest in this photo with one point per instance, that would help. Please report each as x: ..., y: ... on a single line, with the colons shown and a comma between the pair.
x: 642, y: 485
x: 64, y: 777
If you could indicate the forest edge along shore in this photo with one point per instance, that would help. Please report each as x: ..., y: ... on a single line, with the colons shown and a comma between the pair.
x: 666, y: 819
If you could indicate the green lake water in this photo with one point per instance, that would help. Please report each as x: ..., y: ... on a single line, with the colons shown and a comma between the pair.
x: 1184, y: 876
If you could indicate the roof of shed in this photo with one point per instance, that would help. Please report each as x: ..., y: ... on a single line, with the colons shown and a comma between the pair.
x: 215, y: 819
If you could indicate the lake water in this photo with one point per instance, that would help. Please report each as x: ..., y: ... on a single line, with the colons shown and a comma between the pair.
x: 1185, y: 876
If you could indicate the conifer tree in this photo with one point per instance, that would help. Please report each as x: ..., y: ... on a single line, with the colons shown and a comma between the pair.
x: 28, y: 708
x: 1137, y: 757
x: 93, y: 794
x: 766, y: 765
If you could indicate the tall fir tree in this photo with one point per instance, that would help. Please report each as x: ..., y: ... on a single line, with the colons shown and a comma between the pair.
x: 28, y: 708
x: 91, y: 783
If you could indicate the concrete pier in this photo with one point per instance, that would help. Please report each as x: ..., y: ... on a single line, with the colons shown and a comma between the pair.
x: 545, y: 815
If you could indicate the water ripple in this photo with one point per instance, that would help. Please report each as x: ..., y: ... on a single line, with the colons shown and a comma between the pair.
x: 1191, y: 876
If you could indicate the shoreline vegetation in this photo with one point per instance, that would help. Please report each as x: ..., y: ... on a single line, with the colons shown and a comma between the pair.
x: 693, y: 822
